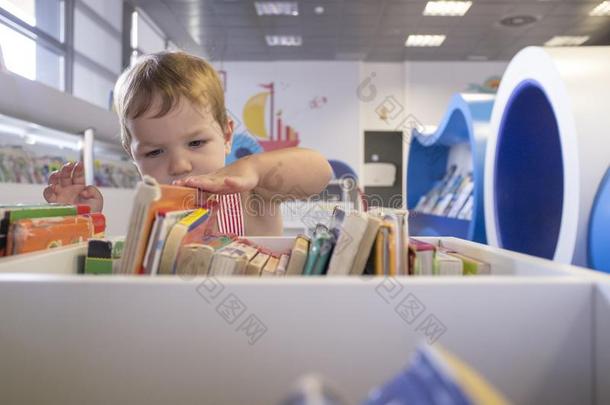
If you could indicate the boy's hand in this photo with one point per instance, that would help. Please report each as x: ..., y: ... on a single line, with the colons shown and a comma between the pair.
x: 221, y: 182
x: 67, y: 186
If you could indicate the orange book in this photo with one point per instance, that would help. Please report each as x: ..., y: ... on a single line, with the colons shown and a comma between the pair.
x: 151, y: 197
x: 30, y: 235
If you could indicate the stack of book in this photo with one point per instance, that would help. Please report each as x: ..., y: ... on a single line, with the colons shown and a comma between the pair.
x: 451, y: 197
x: 172, y: 231
x: 426, y: 259
x: 30, y: 228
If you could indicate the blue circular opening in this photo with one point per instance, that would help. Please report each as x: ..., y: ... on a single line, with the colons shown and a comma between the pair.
x: 529, y: 174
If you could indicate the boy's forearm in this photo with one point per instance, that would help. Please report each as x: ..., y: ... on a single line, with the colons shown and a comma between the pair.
x: 291, y: 173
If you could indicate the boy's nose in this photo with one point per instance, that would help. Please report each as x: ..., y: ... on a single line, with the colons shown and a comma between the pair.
x: 179, y: 167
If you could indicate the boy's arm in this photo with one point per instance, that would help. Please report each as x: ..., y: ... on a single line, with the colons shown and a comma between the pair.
x: 290, y: 173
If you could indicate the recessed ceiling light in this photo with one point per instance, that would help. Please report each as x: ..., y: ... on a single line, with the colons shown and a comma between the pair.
x: 602, y: 9
x: 290, y: 8
x: 284, y: 40
x: 447, y: 8
x: 567, y: 40
x: 425, y: 40
x: 319, y: 10
x: 518, y: 20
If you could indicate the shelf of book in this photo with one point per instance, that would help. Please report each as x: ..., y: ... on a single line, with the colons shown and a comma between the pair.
x: 441, y: 186
x: 547, y: 151
x: 503, y: 263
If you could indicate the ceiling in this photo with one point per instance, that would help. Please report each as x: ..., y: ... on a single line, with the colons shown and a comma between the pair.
x: 370, y: 30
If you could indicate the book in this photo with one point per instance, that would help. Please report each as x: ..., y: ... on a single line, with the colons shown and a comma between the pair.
x: 192, y: 221
x: 270, y: 267
x: 424, y: 257
x: 193, y: 260
x: 30, y: 235
x: 435, y: 376
x: 384, y: 250
x: 399, y: 235
x: 10, y: 213
x: 365, y: 250
x: 232, y: 259
x: 348, y: 244
x: 199, y: 254
x: 319, y: 253
x: 164, y: 221
x: 281, y: 265
x: 102, y: 255
x: 472, y: 266
x: 256, y: 265
x: 298, y: 256
x: 447, y: 265
x: 149, y: 199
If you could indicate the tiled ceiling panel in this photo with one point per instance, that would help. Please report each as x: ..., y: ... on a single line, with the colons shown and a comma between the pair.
x: 373, y: 30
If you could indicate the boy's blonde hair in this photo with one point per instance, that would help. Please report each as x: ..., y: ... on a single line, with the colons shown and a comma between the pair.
x: 170, y: 76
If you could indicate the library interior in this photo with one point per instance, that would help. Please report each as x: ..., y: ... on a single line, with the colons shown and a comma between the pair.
x: 313, y: 202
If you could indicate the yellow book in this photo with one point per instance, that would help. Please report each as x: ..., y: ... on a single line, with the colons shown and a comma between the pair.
x: 256, y: 265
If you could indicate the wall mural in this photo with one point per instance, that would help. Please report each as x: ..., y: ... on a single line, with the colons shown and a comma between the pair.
x: 263, y: 122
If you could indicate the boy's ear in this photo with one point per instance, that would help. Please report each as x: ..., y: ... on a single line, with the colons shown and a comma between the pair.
x: 228, y: 135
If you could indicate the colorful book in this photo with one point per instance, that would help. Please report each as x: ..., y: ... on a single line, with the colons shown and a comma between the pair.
x: 150, y: 198
x: 174, y: 239
x: 319, y: 252
x: 435, y: 376
x: 11, y: 213
x: 103, y: 255
x: 164, y: 222
x: 30, y: 235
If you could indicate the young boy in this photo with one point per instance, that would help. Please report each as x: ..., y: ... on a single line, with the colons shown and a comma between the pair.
x: 175, y: 127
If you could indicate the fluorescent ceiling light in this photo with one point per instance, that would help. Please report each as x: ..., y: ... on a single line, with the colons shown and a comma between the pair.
x: 284, y: 40
x: 276, y: 8
x: 425, y: 40
x: 447, y: 8
x: 566, y: 41
x: 602, y: 9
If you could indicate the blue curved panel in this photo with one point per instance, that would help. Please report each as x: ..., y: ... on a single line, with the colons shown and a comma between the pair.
x: 528, y: 174
x: 242, y: 145
x: 342, y: 169
x: 599, y: 228
x: 428, y: 156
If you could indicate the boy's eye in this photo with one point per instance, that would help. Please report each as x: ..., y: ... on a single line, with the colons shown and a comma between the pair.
x: 153, y: 153
x: 196, y: 144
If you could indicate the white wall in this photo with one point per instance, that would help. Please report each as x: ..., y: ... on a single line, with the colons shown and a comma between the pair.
x: 332, y: 128
x: 430, y: 85
x: 355, y: 91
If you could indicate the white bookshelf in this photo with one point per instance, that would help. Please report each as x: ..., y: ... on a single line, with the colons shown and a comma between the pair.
x: 537, y: 330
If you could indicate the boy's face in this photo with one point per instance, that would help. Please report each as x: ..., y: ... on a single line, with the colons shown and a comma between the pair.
x: 184, y: 142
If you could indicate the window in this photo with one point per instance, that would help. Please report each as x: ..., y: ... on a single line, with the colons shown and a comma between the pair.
x: 145, y: 37
x: 32, y: 39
